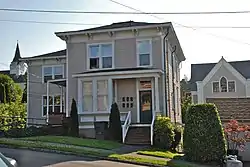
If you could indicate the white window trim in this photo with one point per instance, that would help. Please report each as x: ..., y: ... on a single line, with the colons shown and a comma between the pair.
x: 150, y: 52
x: 100, y: 57
x: 220, y: 85
x: 53, y: 105
x: 97, y: 95
x: 53, y: 73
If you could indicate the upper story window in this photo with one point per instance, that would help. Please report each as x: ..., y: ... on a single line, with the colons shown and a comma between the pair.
x: 100, y: 56
x: 144, y: 53
x: 53, y: 72
x: 224, y: 85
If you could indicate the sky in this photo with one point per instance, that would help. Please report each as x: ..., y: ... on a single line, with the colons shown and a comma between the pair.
x: 199, y: 45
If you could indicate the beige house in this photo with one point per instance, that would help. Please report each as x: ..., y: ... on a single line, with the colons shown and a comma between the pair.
x: 135, y: 64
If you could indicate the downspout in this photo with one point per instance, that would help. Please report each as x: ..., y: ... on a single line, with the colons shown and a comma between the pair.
x: 173, y: 82
x: 165, y: 71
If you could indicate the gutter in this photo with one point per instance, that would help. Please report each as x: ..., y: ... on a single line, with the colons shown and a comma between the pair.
x: 173, y: 83
x: 166, y: 78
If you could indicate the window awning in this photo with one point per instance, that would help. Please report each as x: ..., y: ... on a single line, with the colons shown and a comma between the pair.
x: 60, y: 82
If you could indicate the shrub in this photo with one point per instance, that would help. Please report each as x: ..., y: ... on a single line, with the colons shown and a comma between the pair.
x: 178, y: 131
x: 115, y: 126
x: 185, y: 104
x: 204, y: 140
x: 74, y: 123
x: 163, y: 132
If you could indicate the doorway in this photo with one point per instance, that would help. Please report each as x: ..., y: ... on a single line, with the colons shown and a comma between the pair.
x: 145, y: 99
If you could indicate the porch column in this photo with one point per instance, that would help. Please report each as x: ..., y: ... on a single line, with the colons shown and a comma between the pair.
x: 47, y: 96
x: 157, y: 102
x: 79, y: 98
x: 61, y: 99
x: 110, y: 93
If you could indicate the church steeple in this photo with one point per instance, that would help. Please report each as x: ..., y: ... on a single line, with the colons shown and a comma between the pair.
x: 17, y: 54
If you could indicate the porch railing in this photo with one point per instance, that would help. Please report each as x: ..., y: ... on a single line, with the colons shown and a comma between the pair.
x: 152, y: 129
x: 125, y: 126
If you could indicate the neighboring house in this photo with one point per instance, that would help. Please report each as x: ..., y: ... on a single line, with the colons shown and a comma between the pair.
x: 135, y: 64
x: 17, y: 69
x: 227, y: 84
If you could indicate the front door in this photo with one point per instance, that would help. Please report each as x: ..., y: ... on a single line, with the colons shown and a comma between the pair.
x: 145, y: 106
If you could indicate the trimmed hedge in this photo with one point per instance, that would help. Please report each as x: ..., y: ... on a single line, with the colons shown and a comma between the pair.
x: 163, y: 133
x: 204, y: 140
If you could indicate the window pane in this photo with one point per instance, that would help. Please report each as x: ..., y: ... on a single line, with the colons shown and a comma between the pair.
x: 58, y: 70
x: 102, y: 87
x: 57, y: 100
x: 44, y: 110
x: 144, y: 59
x: 50, y: 109
x: 102, y: 103
x: 87, y: 88
x: 223, y: 84
x: 58, y: 76
x: 47, y: 78
x: 106, y: 50
x: 57, y: 110
x: 107, y: 62
x: 44, y: 100
x: 94, y: 63
x: 216, y: 87
x: 87, y: 103
x: 94, y: 51
x: 143, y: 47
x: 47, y: 71
x: 231, y: 86
x: 50, y: 100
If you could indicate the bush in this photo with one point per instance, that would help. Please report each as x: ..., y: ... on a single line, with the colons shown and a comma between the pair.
x: 185, y: 104
x: 178, y: 131
x: 115, y: 126
x: 74, y: 128
x: 24, y: 132
x: 163, y: 133
x: 204, y: 140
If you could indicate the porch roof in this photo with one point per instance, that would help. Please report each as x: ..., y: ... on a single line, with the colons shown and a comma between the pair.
x: 117, y: 71
x: 60, y: 82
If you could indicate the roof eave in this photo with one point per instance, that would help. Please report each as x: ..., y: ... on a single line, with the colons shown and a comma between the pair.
x: 40, y: 58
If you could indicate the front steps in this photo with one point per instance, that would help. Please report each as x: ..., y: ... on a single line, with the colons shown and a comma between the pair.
x: 137, y: 135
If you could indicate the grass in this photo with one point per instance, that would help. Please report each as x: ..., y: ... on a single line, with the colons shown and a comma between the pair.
x: 159, y: 153
x: 101, y: 144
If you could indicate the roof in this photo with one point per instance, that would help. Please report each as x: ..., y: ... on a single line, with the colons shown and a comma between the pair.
x: 200, y: 71
x: 16, y: 79
x: 52, y: 54
x: 17, y: 54
x: 118, y: 25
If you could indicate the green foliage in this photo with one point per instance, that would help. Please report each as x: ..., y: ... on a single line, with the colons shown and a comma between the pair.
x: 185, y: 104
x: 12, y: 114
x: 74, y: 128
x: 178, y: 131
x: 204, y: 140
x: 115, y: 126
x: 24, y: 95
x: 9, y: 91
x: 163, y: 132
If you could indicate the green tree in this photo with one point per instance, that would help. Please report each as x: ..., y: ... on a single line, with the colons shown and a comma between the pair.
x: 9, y: 90
x: 74, y: 123
x: 185, y: 104
x: 115, y: 126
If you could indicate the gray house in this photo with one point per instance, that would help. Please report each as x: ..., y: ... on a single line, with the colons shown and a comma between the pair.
x: 226, y: 84
x: 135, y: 64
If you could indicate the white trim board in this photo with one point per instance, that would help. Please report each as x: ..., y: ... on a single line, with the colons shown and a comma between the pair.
x: 224, y: 63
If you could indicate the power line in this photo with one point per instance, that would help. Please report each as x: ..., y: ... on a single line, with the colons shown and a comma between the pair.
x: 190, y: 27
x: 105, y: 12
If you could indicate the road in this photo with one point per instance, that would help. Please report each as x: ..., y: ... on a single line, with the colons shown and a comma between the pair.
x: 26, y: 158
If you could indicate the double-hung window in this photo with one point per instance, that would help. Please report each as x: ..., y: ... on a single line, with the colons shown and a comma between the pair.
x: 87, y: 96
x: 102, y: 95
x: 54, y: 104
x: 52, y: 72
x: 100, y: 56
x: 144, y: 50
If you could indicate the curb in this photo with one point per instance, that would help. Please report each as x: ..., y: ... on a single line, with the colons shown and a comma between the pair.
x: 75, y: 154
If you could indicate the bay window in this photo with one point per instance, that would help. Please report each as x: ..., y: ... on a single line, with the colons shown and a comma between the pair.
x: 102, y: 95
x: 87, y: 96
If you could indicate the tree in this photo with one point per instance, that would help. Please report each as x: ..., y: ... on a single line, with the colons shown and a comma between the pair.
x: 24, y: 96
x: 185, y: 104
x: 74, y: 128
x: 9, y: 90
x: 115, y: 126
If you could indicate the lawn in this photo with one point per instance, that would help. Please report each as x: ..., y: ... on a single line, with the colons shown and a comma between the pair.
x: 101, y: 144
x: 159, y: 153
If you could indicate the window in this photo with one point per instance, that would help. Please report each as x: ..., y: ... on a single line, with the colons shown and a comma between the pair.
x: 100, y: 56
x: 127, y: 102
x: 144, y: 53
x: 54, y: 104
x: 231, y: 86
x: 216, y: 87
x: 102, y: 95
x: 223, y: 84
x: 52, y: 72
x: 87, y: 96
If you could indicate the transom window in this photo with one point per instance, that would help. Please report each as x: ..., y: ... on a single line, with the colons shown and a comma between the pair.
x: 52, y: 72
x: 100, y: 56
x: 54, y: 104
x: 224, y: 85
x: 144, y: 53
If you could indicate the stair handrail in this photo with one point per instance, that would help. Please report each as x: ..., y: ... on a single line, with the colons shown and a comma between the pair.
x: 125, y: 126
x: 152, y: 129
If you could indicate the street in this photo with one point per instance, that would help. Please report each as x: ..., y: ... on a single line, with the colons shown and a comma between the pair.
x: 26, y: 158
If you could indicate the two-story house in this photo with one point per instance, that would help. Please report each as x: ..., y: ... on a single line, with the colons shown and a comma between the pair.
x: 135, y: 64
x: 226, y: 84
